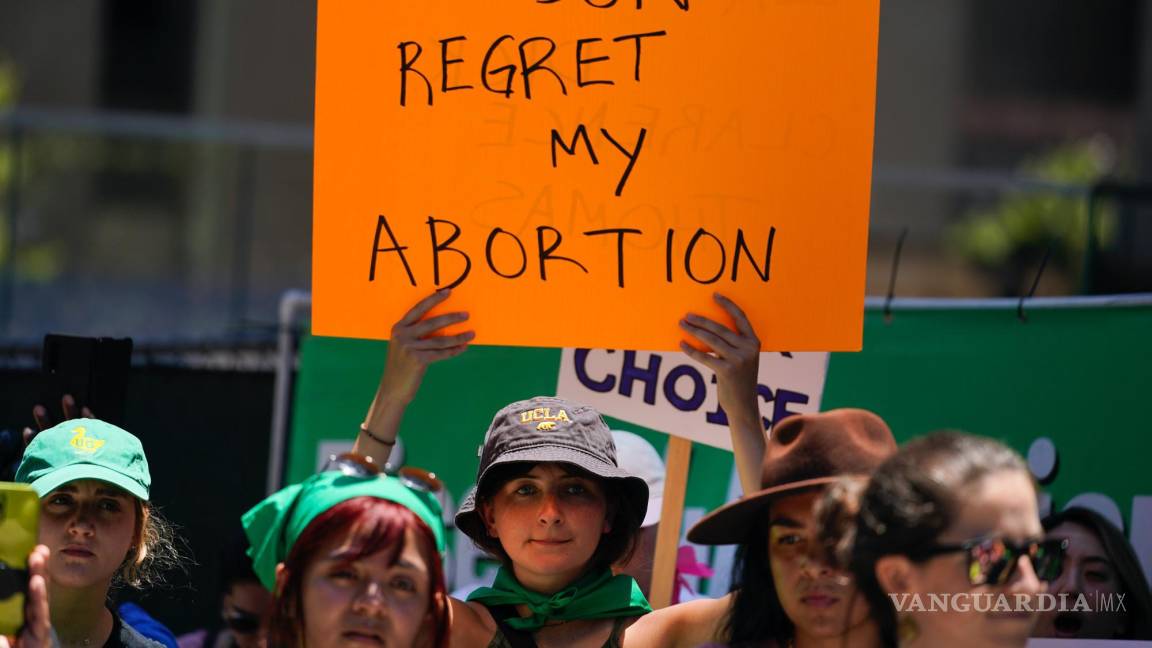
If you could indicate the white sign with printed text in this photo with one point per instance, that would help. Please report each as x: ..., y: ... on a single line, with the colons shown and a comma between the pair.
x: 672, y: 393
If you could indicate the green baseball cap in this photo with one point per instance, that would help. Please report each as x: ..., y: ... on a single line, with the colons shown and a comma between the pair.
x: 85, y: 449
x: 274, y: 525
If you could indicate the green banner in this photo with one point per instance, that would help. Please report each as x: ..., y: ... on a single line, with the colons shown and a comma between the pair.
x: 1078, y: 376
x: 1068, y: 380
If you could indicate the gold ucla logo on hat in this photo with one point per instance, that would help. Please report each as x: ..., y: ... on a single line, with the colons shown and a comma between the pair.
x: 83, y: 443
x: 544, y: 418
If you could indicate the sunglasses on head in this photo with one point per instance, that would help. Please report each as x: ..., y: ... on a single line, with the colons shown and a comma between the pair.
x: 241, y: 621
x: 358, y: 465
x: 992, y: 561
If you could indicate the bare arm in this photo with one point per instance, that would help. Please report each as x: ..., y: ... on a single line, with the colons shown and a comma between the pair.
x: 685, y: 625
x: 471, y: 625
x: 415, y: 343
x: 735, y: 359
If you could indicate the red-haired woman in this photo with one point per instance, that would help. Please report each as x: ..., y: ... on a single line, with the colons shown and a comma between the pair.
x: 353, y: 558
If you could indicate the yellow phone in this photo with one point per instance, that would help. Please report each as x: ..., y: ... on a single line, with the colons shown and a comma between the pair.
x: 19, y: 521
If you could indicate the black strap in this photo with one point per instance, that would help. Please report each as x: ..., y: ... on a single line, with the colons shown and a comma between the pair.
x: 516, y: 638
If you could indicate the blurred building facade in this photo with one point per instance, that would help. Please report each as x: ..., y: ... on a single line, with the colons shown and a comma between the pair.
x: 215, y: 224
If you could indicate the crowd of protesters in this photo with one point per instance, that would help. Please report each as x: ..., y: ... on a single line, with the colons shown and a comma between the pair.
x: 841, y: 534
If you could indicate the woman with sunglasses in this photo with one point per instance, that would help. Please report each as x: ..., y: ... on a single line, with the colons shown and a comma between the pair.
x: 945, y: 543
x: 245, y: 605
x: 353, y: 558
x: 95, y: 517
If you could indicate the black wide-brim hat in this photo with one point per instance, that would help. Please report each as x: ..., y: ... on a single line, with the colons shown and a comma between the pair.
x: 804, y: 452
x: 547, y: 429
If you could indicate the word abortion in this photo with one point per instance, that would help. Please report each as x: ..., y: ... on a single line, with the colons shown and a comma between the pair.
x: 706, y: 258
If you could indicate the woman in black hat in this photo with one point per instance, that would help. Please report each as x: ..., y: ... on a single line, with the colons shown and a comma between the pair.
x: 551, y: 503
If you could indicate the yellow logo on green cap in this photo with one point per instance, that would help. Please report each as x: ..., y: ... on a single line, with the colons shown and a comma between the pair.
x: 82, y: 442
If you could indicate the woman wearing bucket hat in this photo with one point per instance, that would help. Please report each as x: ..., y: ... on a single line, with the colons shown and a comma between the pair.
x: 93, y: 481
x: 551, y: 503
x: 353, y: 558
x: 781, y: 596
x: 418, y: 340
x: 948, y: 530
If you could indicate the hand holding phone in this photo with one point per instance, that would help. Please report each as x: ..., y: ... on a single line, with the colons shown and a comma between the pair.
x: 19, y: 525
x: 37, y: 631
x: 85, y: 375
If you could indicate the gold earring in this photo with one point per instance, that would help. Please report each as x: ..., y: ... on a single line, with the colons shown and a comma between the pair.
x: 907, y: 629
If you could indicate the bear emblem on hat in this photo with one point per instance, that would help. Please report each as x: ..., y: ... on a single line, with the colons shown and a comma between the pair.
x: 544, y: 417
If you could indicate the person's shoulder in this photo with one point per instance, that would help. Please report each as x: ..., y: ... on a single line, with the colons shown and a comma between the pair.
x: 686, y: 624
x: 472, y: 624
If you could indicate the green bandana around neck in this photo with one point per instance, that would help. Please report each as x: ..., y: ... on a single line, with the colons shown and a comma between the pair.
x: 596, y: 595
x: 274, y: 525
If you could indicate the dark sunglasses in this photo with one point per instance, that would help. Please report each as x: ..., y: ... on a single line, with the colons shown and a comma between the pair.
x: 241, y: 621
x: 992, y: 561
x: 13, y: 581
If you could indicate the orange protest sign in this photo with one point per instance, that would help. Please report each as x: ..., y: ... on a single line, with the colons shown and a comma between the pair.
x: 584, y: 172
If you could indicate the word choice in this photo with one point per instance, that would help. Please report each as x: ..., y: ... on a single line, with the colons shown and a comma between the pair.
x: 655, y: 373
x: 506, y: 255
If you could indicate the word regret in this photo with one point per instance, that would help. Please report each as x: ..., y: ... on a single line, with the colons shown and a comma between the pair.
x: 705, y: 258
x: 528, y: 67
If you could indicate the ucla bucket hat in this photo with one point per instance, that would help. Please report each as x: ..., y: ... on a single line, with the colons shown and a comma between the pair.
x: 548, y: 429
x: 85, y: 449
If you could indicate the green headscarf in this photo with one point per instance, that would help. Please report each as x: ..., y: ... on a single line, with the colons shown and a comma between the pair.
x: 596, y: 595
x: 274, y: 525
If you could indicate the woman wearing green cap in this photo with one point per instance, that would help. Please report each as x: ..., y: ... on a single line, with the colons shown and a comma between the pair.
x: 353, y: 557
x: 93, y: 481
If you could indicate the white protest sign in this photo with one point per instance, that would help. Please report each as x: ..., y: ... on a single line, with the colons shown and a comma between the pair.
x: 672, y: 393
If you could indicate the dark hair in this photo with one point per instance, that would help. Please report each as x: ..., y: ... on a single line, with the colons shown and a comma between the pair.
x: 616, y: 546
x: 756, y: 613
x: 1138, y: 605
x: 235, y: 565
x: 911, y: 499
x: 375, y: 525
